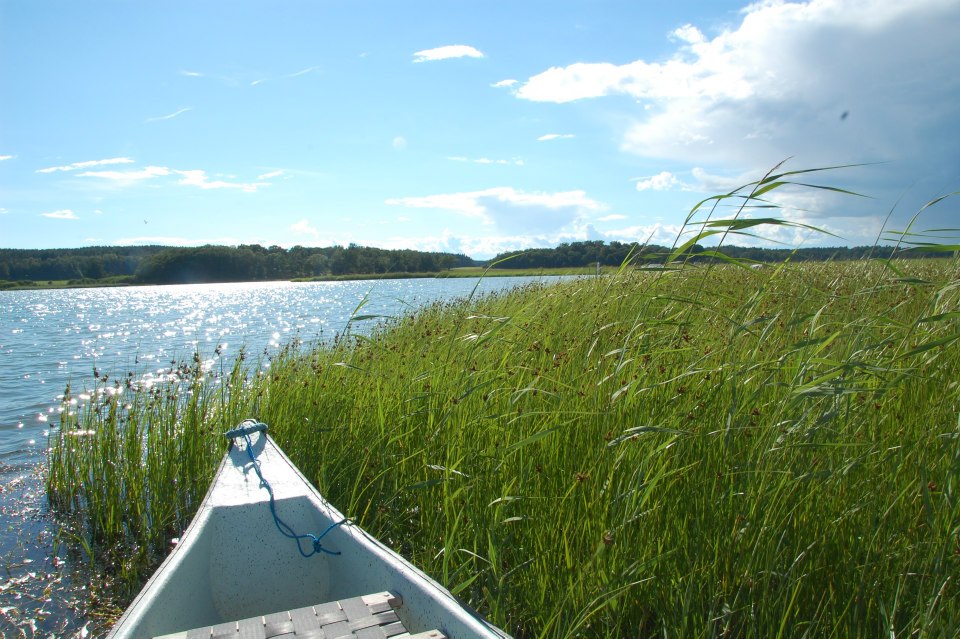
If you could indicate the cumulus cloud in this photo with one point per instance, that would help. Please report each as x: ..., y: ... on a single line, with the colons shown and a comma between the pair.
x: 170, y: 116
x: 824, y: 81
x: 510, y: 210
x: 303, y: 227
x: 504, y: 83
x: 555, y: 136
x: 85, y: 165
x: 488, y: 245
x: 689, y: 34
x: 662, y: 181
x: 62, y: 214
x: 654, y: 233
x: 447, y: 52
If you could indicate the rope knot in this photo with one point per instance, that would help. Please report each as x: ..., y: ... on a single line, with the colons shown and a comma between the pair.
x: 318, y: 548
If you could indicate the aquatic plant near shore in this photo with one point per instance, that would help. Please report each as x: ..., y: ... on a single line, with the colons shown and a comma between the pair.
x: 129, y: 466
x: 689, y: 451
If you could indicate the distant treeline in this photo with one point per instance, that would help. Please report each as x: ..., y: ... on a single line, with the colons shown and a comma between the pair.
x: 89, y: 263
x: 249, y: 263
x: 245, y: 263
x: 614, y: 254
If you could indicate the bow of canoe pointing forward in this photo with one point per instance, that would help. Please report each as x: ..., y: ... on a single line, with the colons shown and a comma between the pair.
x: 251, y: 565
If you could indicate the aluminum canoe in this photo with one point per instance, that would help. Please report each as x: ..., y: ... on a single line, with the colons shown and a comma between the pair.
x: 233, y: 563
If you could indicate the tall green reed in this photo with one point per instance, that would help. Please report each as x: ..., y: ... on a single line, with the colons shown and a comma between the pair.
x: 693, y: 450
x: 128, y: 468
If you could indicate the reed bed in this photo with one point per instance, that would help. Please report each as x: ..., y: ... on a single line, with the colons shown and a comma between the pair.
x: 646, y: 454
x: 698, y: 451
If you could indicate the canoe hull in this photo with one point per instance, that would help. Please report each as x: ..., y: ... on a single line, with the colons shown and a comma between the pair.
x: 233, y: 562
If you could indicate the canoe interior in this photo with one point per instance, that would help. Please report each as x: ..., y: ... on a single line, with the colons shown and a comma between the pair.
x: 232, y: 563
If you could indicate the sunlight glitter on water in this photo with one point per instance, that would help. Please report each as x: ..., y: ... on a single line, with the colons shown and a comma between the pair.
x: 55, y: 338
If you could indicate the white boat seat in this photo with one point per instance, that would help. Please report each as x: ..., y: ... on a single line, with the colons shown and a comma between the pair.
x: 365, y: 617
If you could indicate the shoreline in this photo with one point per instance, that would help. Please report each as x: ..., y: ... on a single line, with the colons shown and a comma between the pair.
x: 466, y: 272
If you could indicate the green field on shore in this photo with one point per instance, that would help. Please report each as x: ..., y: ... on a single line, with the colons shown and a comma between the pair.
x: 710, y: 451
x: 33, y: 285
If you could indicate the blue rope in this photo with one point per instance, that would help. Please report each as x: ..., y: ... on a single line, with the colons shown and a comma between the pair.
x: 315, y: 546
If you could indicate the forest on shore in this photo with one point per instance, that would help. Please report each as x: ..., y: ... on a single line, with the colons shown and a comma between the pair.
x: 208, y: 264
x: 616, y: 253
x: 250, y: 263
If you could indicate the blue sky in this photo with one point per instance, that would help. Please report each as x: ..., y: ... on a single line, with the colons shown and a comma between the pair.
x: 472, y: 127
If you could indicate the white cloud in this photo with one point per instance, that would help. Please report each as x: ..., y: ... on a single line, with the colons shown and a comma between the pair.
x: 689, y: 34
x: 129, y: 176
x: 555, y: 136
x: 303, y: 227
x: 487, y: 246
x: 271, y: 174
x: 170, y: 116
x: 6, y: 157
x: 447, y: 52
x: 510, y: 210
x: 593, y: 80
x: 504, y: 83
x: 399, y: 143
x: 191, y: 74
x: 656, y: 233
x: 192, y: 177
x: 198, y: 178
x: 460, y: 158
x: 824, y: 81
x: 63, y: 214
x: 84, y: 165
x: 613, y: 217
x: 660, y: 182
x: 4, y: 211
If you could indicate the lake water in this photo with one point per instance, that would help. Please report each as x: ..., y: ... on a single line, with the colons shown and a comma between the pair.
x: 51, y: 338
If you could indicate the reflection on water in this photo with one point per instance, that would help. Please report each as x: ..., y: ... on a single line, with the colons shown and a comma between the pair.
x: 51, y: 338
